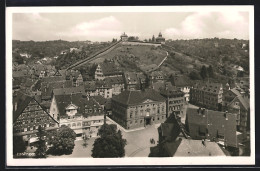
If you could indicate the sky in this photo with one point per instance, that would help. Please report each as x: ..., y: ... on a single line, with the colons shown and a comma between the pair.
x: 108, y: 25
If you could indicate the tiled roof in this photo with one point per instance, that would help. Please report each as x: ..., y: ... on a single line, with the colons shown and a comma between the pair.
x: 114, y: 80
x: 102, y: 83
x: 22, y: 102
x: 235, y: 91
x: 189, y: 147
x: 64, y: 100
x: 215, y: 122
x: 100, y: 99
x: 52, y: 79
x: 137, y: 97
x: 133, y: 77
x: 46, y: 93
x: 109, y: 68
x: 90, y: 85
x: 70, y: 90
x: 22, y: 73
x: 208, y: 87
x: 157, y: 73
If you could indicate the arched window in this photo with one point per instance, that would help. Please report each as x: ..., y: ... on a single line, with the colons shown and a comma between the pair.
x: 74, y: 124
x: 78, y: 124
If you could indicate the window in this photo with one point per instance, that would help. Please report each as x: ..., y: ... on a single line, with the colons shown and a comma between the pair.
x: 131, y: 115
x: 25, y: 129
x: 135, y: 121
x: 141, y: 121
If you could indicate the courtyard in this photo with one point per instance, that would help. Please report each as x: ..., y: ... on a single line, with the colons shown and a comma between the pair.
x: 138, y: 144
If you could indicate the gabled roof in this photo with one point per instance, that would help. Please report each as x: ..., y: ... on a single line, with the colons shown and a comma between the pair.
x: 137, y: 97
x: 133, y: 77
x: 64, y: 100
x: 100, y: 99
x: 46, y: 93
x: 90, y: 85
x: 114, y: 80
x: 53, y: 79
x: 21, y: 101
x: 208, y: 87
x: 244, y: 102
x: 70, y: 90
x: 235, y: 91
x: 102, y: 84
x: 215, y: 122
x: 189, y: 147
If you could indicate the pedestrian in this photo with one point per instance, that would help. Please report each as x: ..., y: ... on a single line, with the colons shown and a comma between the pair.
x: 203, y: 142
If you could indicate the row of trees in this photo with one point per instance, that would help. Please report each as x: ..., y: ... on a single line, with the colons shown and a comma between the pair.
x: 61, y: 142
x: 205, y: 72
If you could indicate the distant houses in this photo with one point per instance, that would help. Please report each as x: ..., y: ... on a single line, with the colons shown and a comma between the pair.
x: 107, y: 69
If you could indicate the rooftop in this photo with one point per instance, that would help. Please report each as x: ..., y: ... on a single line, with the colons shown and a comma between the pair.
x: 137, y: 97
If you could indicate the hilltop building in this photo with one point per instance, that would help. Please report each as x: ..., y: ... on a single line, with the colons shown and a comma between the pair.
x: 160, y: 39
x: 124, y: 37
x: 134, y: 109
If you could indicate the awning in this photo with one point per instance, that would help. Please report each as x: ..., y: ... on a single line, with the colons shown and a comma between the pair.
x: 33, y: 139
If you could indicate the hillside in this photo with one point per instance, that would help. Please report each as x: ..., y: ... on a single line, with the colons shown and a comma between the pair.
x: 139, y: 55
x: 214, y: 51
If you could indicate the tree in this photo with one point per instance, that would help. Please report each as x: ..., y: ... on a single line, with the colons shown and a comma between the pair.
x: 203, y: 72
x: 18, y: 145
x: 153, y: 39
x: 62, y: 141
x: 210, y: 72
x: 110, y: 144
x: 194, y: 75
x: 41, y: 147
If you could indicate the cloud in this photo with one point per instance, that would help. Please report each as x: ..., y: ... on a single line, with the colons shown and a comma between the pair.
x: 104, y: 27
x: 226, y: 24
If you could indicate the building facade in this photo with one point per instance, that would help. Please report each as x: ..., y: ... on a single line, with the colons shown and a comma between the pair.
x: 107, y: 69
x: 135, y: 109
x: 28, y: 115
x: 208, y: 95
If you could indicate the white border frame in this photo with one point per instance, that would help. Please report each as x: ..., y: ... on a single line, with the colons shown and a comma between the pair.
x: 125, y: 161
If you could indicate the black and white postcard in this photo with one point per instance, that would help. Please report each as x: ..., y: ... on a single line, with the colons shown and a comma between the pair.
x: 157, y: 85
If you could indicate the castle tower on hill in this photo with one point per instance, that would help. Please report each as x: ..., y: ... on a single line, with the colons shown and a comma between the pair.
x: 124, y: 37
x: 160, y: 39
